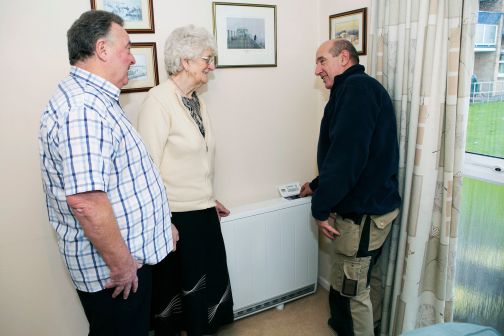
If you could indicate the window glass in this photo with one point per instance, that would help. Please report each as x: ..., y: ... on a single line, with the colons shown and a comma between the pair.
x: 490, y: 34
x: 485, y: 128
x: 479, y: 293
x: 480, y: 31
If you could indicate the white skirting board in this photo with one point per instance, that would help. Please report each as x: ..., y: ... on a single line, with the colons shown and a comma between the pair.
x: 272, y: 253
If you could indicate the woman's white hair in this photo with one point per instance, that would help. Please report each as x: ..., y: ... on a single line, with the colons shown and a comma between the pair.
x: 186, y: 42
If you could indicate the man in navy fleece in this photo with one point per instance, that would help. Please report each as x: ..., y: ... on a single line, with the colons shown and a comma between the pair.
x: 355, y: 197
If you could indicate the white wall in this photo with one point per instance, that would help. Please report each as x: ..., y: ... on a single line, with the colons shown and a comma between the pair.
x: 263, y: 118
x: 36, y: 296
x: 265, y: 121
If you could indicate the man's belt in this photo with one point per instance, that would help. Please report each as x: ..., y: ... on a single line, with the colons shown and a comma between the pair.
x: 353, y: 217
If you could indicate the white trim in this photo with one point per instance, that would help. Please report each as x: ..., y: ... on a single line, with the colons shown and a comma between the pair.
x: 324, y: 283
x: 484, y: 49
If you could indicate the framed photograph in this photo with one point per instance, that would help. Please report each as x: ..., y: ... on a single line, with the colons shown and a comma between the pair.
x: 142, y: 75
x: 138, y: 15
x: 350, y: 26
x: 245, y: 34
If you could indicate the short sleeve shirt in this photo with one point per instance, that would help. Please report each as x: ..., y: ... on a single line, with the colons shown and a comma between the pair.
x: 87, y: 144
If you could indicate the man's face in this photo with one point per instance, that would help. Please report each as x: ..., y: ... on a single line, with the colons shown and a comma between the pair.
x: 120, y: 57
x: 328, y: 66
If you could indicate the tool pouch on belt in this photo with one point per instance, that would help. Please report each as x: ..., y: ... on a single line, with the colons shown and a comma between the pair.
x: 380, y: 228
x: 347, y: 243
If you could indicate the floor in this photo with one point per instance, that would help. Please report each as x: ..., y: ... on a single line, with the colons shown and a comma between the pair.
x: 303, y: 317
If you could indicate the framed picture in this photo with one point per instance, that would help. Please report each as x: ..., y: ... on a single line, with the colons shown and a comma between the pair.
x: 245, y: 34
x: 142, y: 75
x: 351, y: 26
x: 138, y: 15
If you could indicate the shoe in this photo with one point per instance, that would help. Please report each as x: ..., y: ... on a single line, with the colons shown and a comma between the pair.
x: 331, y: 328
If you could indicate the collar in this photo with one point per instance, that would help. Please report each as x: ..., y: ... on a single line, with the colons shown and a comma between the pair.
x: 354, y: 69
x: 96, y: 81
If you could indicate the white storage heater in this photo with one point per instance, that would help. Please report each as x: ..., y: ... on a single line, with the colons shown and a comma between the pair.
x: 272, y: 253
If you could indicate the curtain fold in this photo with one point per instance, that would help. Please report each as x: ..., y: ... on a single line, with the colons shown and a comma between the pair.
x: 422, y: 52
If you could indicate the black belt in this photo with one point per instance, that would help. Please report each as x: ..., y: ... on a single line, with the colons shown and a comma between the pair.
x: 353, y: 217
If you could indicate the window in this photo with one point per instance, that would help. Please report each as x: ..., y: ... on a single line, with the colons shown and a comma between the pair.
x: 486, y: 36
x: 479, y: 278
x: 501, y: 64
x: 479, y: 293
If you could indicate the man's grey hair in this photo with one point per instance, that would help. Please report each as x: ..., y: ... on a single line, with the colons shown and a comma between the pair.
x: 86, y: 30
x: 341, y: 44
x: 186, y: 43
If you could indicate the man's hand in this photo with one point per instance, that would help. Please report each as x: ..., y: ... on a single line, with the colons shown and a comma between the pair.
x: 124, y: 278
x: 327, y: 229
x: 305, y: 190
x: 221, y: 209
x: 175, y: 236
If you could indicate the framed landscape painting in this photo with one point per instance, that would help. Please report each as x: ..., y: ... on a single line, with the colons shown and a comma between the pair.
x: 350, y: 26
x: 245, y: 34
x: 142, y: 75
x: 138, y: 15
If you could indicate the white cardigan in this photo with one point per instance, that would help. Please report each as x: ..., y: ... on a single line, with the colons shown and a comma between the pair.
x: 184, y: 157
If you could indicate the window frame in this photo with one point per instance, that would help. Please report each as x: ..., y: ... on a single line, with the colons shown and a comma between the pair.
x: 501, y: 63
x: 484, y: 167
x: 483, y: 45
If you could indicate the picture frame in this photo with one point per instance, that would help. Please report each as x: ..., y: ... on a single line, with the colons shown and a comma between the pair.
x: 351, y: 26
x: 246, y: 35
x: 138, y: 15
x: 142, y: 75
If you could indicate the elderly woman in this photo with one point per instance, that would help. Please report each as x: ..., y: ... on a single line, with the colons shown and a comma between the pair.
x: 175, y: 126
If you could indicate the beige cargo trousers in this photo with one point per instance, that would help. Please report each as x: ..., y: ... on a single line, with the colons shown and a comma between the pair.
x: 353, y: 254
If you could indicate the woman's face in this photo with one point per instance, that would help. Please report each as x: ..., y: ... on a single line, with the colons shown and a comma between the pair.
x: 199, y: 67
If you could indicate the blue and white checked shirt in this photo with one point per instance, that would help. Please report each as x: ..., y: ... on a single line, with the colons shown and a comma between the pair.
x: 87, y: 143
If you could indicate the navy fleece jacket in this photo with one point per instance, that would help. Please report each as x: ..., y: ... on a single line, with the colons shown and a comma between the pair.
x: 358, y: 152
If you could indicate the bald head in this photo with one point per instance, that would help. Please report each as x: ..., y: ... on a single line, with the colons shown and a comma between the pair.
x: 333, y: 58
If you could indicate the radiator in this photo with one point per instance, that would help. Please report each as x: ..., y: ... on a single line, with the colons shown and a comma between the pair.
x: 272, y: 253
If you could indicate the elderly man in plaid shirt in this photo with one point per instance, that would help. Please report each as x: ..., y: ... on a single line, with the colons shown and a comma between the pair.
x: 104, y: 195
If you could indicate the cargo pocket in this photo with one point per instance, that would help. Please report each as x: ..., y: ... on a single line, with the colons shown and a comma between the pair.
x: 352, y: 271
x: 349, y: 277
x: 347, y: 243
x: 380, y: 228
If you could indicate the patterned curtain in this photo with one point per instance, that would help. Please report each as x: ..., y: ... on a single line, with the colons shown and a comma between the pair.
x: 422, y: 52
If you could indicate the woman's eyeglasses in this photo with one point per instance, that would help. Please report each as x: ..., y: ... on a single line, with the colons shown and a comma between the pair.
x: 208, y: 59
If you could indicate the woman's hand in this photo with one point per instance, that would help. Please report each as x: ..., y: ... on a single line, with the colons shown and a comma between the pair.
x: 222, y: 211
